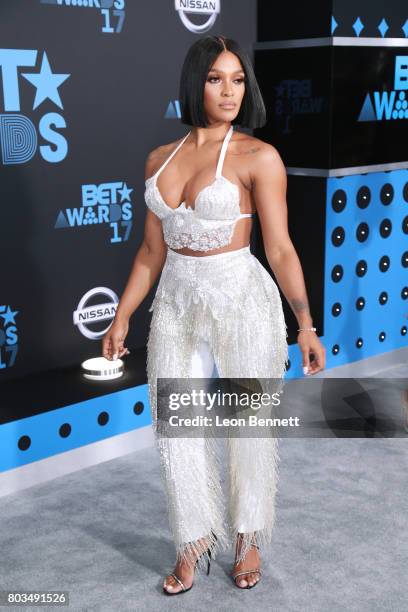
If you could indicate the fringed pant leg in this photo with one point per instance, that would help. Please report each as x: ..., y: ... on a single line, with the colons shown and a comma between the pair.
x: 253, y: 344
x: 189, y: 467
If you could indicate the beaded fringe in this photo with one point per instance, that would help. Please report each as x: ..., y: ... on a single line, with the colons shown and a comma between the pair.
x: 234, y: 304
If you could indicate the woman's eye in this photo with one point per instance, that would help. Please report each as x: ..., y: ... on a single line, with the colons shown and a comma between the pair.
x: 239, y: 80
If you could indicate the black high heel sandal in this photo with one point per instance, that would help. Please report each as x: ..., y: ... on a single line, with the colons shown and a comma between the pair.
x: 183, y: 588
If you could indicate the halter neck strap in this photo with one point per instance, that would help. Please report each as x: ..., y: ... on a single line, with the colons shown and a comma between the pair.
x: 172, y: 155
x: 223, y: 152
x: 220, y: 160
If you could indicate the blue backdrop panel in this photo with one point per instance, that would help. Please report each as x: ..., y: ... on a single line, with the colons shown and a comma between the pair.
x: 366, y: 297
x: 63, y: 429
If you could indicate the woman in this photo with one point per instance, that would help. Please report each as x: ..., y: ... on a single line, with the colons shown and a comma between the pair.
x: 216, y: 306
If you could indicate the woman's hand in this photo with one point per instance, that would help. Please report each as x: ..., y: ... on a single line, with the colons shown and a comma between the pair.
x: 309, y: 343
x: 112, y: 342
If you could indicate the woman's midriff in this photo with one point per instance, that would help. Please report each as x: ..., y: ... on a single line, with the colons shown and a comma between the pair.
x: 240, y: 239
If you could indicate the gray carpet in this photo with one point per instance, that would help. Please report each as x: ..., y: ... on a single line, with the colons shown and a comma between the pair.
x: 340, y: 541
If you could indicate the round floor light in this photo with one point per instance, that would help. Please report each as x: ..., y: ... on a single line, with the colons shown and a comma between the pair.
x: 100, y: 368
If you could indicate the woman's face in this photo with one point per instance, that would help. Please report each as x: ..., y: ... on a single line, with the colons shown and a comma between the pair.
x: 225, y: 85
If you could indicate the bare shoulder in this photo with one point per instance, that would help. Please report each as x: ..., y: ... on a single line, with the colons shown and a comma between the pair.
x: 260, y: 160
x: 245, y: 144
x: 158, y: 156
x: 258, y: 154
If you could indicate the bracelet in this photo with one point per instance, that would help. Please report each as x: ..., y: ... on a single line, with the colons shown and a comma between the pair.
x: 307, y: 329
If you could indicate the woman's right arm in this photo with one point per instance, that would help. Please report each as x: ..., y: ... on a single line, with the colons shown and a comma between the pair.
x: 147, y: 265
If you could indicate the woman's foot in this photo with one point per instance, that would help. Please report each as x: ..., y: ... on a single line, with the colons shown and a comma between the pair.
x: 251, y: 562
x: 185, y: 573
x: 184, y: 570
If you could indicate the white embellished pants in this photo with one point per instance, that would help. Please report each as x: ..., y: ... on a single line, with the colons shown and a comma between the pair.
x: 217, y: 315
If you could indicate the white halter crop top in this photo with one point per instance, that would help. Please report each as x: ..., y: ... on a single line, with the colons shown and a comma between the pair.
x: 210, y: 224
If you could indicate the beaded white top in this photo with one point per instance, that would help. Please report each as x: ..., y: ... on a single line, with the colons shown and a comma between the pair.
x: 210, y: 224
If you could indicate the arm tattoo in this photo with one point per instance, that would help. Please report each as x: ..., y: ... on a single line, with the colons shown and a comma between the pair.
x: 299, y: 305
x: 250, y: 151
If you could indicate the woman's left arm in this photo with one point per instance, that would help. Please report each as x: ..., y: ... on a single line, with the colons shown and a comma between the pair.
x: 269, y: 184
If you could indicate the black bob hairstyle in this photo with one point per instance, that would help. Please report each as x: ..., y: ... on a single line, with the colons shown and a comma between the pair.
x: 199, y: 59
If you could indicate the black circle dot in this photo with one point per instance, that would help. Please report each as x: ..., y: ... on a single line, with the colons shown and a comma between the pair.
x: 404, y: 293
x: 405, y: 192
x: 336, y: 309
x: 404, y: 330
x: 361, y: 268
x: 362, y: 232
x: 337, y: 273
x: 363, y: 197
x: 103, y: 418
x: 359, y: 342
x: 65, y: 430
x: 385, y: 228
x: 404, y: 260
x: 381, y: 336
x: 335, y: 349
x: 384, y: 263
x: 338, y: 235
x: 138, y: 408
x: 339, y: 200
x: 387, y: 194
x: 360, y: 303
x: 405, y: 225
x: 383, y: 298
x: 24, y: 442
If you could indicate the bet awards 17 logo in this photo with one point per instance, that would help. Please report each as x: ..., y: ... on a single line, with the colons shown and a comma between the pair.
x: 112, y: 11
x: 18, y: 132
x: 386, y: 105
x: 105, y: 204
